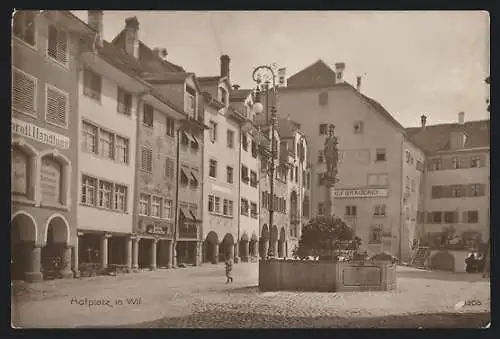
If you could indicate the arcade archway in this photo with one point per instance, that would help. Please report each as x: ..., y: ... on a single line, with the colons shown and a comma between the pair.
x: 25, y: 256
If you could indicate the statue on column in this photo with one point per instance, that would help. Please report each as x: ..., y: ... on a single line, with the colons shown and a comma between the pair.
x: 331, y: 154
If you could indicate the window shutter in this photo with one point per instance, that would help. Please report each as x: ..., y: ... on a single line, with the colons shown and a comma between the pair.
x: 58, y: 45
x: 56, y: 107
x: 465, y: 217
x: 469, y: 190
x: 482, y: 189
x: 463, y: 190
x: 23, y: 93
x: 482, y: 160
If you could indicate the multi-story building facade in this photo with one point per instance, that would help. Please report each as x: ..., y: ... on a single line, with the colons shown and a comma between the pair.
x: 457, y: 179
x: 45, y: 48
x: 294, y: 145
x: 222, y: 168
x: 369, y: 193
x: 184, y: 128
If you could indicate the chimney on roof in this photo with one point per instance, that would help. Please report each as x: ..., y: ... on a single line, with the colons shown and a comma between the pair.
x: 132, y: 36
x: 156, y: 52
x: 282, y: 77
x: 461, y: 118
x: 94, y: 19
x: 423, y: 120
x: 224, y: 65
x: 358, y: 83
x: 339, y: 70
x: 236, y: 87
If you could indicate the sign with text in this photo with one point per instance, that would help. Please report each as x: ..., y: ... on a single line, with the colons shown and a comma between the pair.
x: 39, y: 134
x: 50, y: 181
x: 361, y: 193
x: 19, y: 179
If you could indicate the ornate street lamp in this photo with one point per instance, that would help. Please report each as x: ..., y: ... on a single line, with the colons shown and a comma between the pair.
x: 264, y: 75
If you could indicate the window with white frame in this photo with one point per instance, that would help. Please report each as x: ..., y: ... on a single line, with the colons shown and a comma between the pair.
x: 230, y: 209
x: 89, y: 137
x: 147, y: 159
x: 24, y: 26
x: 106, y: 144
x: 380, y: 154
x: 217, y: 205
x: 167, y: 209
x: 170, y: 127
x: 147, y: 115
x: 120, y: 198
x: 92, y: 84
x: 124, y: 102
x: 121, y: 149
x: 155, y: 206
x: 210, y: 203
x: 212, y: 170
x: 57, y: 45
x: 253, y: 210
x: 225, y: 207
x: 144, y: 201
x: 57, y: 106
x: 105, y: 189
x: 24, y: 92
x: 379, y: 210
x: 230, y: 138
x: 229, y: 173
x: 351, y: 211
x: 244, y: 207
x: 213, y: 131
x: 89, y: 189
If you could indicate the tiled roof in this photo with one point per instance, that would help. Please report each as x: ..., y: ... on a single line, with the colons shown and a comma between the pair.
x: 239, y: 94
x: 209, y: 79
x: 320, y: 75
x: 317, y: 74
x: 434, y: 138
x: 167, y: 77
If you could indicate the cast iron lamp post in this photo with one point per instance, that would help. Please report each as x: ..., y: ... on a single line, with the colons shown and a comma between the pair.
x: 262, y: 74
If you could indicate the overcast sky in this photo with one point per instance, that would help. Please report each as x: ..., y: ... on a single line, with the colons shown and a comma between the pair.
x: 411, y: 62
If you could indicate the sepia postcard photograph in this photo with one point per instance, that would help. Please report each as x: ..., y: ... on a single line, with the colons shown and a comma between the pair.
x: 250, y: 169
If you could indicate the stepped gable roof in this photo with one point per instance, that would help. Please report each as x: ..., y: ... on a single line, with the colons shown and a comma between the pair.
x: 435, y: 138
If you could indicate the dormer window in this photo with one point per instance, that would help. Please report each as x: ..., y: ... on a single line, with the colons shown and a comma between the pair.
x: 190, y: 101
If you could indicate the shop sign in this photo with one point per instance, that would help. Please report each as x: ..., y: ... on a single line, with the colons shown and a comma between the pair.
x: 50, y: 180
x: 362, y: 193
x: 39, y: 134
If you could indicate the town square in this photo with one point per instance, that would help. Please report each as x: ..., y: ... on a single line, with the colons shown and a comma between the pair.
x: 185, y: 170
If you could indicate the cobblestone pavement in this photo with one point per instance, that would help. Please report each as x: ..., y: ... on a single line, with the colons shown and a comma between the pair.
x: 199, y: 297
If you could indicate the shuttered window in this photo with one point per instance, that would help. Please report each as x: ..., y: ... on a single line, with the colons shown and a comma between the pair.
x: 23, y: 92
x: 24, y: 26
x: 169, y: 168
x: 57, y: 106
x: 57, y: 47
x: 147, y: 159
